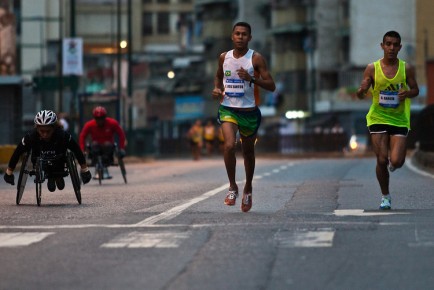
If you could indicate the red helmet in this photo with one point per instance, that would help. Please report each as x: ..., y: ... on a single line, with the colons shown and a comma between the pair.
x: 99, y: 112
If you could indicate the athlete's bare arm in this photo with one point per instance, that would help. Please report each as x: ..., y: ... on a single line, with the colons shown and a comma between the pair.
x: 367, y: 82
x: 266, y: 80
x: 218, y: 90
x: 411, y: 82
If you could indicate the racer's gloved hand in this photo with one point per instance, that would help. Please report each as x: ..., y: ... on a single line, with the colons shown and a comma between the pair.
x: 9, y: 178
x: 86, y: 176
x: 122, y: 153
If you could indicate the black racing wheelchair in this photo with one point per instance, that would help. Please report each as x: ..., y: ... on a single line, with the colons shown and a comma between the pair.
x: 38, y: 170
x: 97, y: 160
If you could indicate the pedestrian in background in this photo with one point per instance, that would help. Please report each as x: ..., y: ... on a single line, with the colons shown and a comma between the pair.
x: 393, y: 84
x: 240, y: 73
x: 209, y: 135
x: 195, y: 136
x: 63, y: 120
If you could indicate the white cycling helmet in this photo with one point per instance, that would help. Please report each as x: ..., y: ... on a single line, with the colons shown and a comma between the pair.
x: 45, y: 117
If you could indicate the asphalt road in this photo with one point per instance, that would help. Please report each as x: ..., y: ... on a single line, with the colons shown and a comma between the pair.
x: 314, y: 224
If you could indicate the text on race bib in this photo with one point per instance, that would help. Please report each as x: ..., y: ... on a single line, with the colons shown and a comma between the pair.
x: 389, y: 99
x: 234, y: 88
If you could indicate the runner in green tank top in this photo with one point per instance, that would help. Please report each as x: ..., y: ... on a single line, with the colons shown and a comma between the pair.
x: 393, y: 84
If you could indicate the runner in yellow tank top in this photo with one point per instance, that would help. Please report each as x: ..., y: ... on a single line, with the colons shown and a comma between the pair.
x: 393, y: 85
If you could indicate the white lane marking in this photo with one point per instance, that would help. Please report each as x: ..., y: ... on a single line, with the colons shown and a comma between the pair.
x: 213, y: 225
x: 413, y: 168
x: 361, y: 212
x: 20, y: 239
x: 148, y: 240
x: 423, y: 238
x: 276, y: 170
x: 306, y: 239
x: 173, y: 212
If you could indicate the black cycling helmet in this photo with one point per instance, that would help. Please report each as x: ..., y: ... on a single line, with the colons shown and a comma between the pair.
x: 45, y: 117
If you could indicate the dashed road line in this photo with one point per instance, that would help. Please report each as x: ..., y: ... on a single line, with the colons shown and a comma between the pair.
x: 20, y: 239
x: 148, y: 240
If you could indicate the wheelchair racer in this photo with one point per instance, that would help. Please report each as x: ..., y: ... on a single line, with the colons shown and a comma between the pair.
x: 102, y: 131
x: 49, y: 141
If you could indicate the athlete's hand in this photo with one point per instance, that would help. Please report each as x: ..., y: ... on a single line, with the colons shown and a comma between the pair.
x: 122, y: 153
x: 86, y: 176
x: 364, y: 88
x: 217, y: 93
x: 9, y: 178
x: 402, y: 94
x: 243, y: 74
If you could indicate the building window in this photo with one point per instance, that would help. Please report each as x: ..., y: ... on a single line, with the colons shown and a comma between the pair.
x: 185, y: 1
x: 146, y: 1
x: 163, y: 26
x: 163, y: 1
x: 147, y: 24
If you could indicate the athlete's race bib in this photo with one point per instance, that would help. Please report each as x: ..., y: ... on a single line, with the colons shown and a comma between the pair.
x: 234, y: 88
x: 389, y: 99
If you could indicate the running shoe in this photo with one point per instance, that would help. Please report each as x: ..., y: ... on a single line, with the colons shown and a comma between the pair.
x: 60, y: 183
x: 246, y: 203
x: 391, y: 168
x: 386, y: 203
x: 51, y: 184
x: 231, y: 197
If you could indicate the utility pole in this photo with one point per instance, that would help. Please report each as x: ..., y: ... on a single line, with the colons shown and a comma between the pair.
x: 74, y: 78
x: 130, y: 71
x: 118, y: 46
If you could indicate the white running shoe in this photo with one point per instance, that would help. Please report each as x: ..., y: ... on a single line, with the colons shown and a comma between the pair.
x: 386, y: 203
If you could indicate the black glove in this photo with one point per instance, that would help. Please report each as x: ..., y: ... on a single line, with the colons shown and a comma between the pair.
x: 86, y: 176
x: 9, y: 178
x: 122, y: 153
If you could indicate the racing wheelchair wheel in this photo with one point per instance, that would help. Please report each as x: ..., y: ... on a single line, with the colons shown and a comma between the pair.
x: 39, y: 179
x: 75, y: 179
x: 121, y: 164
x: 22, y: 177
x: 122, y: 167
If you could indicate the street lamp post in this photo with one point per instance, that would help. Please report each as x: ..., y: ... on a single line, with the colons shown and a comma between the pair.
x: 118, y: 41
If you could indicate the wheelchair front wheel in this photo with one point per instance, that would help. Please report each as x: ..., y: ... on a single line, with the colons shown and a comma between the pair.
x: 122, y: 167
x: 121, y: 163
x: 22, y: 177
x: 75, y: 179
x: 38, y: 193
x: 38, y: 181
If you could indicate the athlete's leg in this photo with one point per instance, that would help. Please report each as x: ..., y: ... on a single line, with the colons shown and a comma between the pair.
x: 398, y: 150
x: 248, y: 145
x: 229, y: 132
x: 380, y: 145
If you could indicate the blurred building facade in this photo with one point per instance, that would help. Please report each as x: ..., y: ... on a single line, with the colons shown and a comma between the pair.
x: 316, y: 50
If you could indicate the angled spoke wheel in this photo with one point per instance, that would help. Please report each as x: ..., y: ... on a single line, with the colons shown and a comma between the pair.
x: 22, y: 178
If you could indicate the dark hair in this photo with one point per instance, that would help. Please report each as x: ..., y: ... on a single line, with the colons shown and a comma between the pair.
x: 392, y: 33
x: 244, y: 24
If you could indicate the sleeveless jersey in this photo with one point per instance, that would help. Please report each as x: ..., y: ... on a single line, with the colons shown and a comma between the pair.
x: 238, y: 92
x: 386, y: 107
